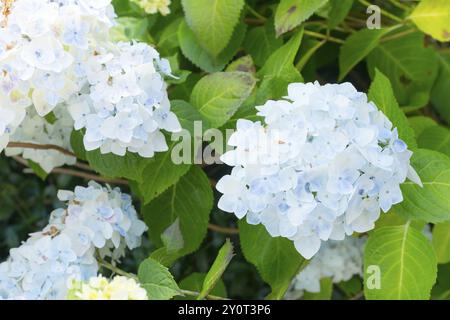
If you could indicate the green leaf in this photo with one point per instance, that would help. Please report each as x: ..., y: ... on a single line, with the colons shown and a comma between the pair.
x: 441, y: 241
x: 194, y: 282
x: 76, y: 142
x: 276, y: 259
x: 187, y: 204
x: 436, y: 138
x: 219, y: 266
x: 406, y: 261
x: 410, y: 66
x: 243, y: 64
x: 357, y: 46
x: 157, y: 280
x: 381, y: 94
x: 441, y: 291
x: 433, y: 18
x: 261, y: 42
x: 431, y: 202
x: 291, y: 13
x: 37, y: 169
x: 282, y: 60
x: 168, y: 40
x: 198, y: 56
x: 307, y: 51
x: 392, y: 219
x: 279, y: 71
x: 420, y: 123
x: 339, y: 9
x: 160, y: 174
x: 326, y: 290
x: 218, y: 96
x: 440, y: 95
x: 213, y: 21
x: 351, y: 287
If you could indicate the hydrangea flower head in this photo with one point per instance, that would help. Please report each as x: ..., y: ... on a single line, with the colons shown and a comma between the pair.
x: 99, y: 288
x: 97, y: 221
x: 125, y: 106
x: 323, y: 164
x: 58, y: 54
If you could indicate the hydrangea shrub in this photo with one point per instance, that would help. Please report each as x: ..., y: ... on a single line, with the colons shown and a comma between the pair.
x: 219, y: 149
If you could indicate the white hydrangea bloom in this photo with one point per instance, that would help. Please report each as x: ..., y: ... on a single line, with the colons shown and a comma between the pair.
x: 58, y: 54
x: 99, y: 288
x: 125, y: 106
x: 35, y: 129
x: 338, y: 260
x: 323, y: 165
x: 154, y: 6
x: 96, y: 220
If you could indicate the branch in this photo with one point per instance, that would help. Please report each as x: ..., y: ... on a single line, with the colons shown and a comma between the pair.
x: 324, y: 37
x: 223, y: 230
x: 79, y: 174
x: 88, y: 176
x: 28, y: 145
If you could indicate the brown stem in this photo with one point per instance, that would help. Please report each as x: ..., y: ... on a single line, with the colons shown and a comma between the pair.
x: 79, y: 174
x: 223, y: 230
x: 28, y: 145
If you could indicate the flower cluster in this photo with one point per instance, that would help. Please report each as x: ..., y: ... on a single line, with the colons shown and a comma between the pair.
x: 154, y: 6
x: 323, y: 165
x: 99, y: 288
x: 57, y: 54
x: 35, y: 129
x: 96, y: 222
x: 338, y: 260
x: 126, y: 102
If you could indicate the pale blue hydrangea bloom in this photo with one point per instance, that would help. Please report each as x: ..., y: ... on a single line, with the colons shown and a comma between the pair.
x: 97, y: 221
x: 323, y: 164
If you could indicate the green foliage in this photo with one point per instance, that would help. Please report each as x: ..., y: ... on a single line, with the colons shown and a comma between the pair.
x: 440, y: 95
x: 200, y: 57
x: 157, y: 280
x: 218, y: 96
x: 181, y: 213
x: 326, y: 290
x: 261, y: 42
x: 433, y: 17
x: 219, y: 266
x: 357, y: 47
x: 229, y: 56
x: 338, y: 11
x: 429, y: 203
x: 441, y: 241
x: 411, y: 67
x: 213, y: 22
x: 275, y: 258
x: 382, y: 95
x: 403, y: 256
x: 160, y: 174
x: 279, y: 71
x: 435, y: 138
x: 291, y: 13
x: 131, y: 166
x: 194, y: 282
